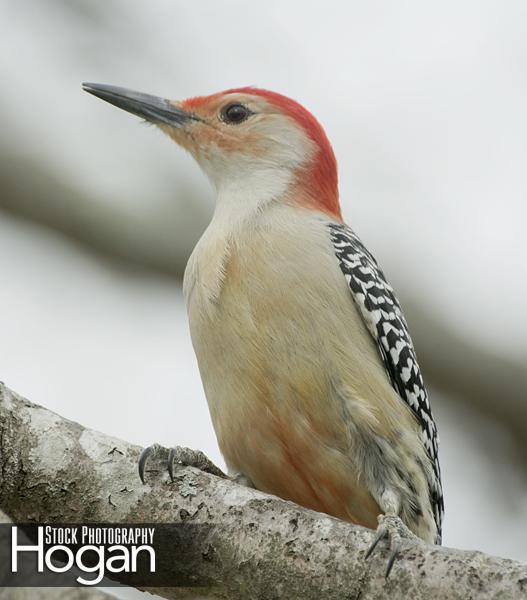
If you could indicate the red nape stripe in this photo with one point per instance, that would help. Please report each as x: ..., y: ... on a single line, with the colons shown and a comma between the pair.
x: 321, y: 175
x: 323, y: 172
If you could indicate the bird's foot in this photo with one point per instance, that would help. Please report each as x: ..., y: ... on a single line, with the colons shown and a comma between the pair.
x: 396, y: 531
x: 185, y: 457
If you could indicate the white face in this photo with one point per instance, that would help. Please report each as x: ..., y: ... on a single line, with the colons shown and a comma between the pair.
x: 242, y: 141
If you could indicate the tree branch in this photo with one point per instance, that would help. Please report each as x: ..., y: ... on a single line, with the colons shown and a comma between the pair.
x: 262, y: 547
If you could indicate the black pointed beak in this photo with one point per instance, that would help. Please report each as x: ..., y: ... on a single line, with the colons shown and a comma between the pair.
x: 151, y: 108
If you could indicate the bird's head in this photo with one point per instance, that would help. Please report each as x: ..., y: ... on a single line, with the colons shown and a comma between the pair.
x: 245, y: 139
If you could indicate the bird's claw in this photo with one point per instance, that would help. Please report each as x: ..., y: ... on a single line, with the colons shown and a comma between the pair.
x: 185, y: 457
x: 148, y: 452
x: 394, y: 529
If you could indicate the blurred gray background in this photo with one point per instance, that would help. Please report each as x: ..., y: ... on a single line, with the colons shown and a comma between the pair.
x: 425, y: 104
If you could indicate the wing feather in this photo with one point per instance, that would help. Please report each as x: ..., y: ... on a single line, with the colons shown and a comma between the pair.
x: 384, y: 319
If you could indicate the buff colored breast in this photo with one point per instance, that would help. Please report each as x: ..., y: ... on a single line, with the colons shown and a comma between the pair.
x: 277, y: 348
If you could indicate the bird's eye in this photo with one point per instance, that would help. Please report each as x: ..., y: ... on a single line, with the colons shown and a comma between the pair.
x: 235, y: 113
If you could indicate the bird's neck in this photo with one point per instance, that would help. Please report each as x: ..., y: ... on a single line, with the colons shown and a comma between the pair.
x: 239, y: 204
x: 240, y: 200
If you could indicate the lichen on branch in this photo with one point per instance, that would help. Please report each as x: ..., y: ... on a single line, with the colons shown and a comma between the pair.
x: 55, y: 471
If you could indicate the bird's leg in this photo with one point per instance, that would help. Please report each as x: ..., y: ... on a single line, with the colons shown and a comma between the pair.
x: 395, y: 530
x: 185, y: 457
x: 390, y: 526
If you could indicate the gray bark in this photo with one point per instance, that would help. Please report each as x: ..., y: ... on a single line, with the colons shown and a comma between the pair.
x: 53, y: 594
x: 261, y: 547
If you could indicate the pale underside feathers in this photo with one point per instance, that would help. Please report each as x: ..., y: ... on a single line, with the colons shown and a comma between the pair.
x: 384, y: 319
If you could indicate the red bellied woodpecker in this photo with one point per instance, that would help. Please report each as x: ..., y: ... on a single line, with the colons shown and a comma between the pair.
x: 308, y: 367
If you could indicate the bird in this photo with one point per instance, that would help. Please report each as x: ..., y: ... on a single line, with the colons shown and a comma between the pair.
x: 310, y: 374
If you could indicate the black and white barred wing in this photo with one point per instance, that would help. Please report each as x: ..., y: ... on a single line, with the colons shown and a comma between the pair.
x: 384, y: 318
